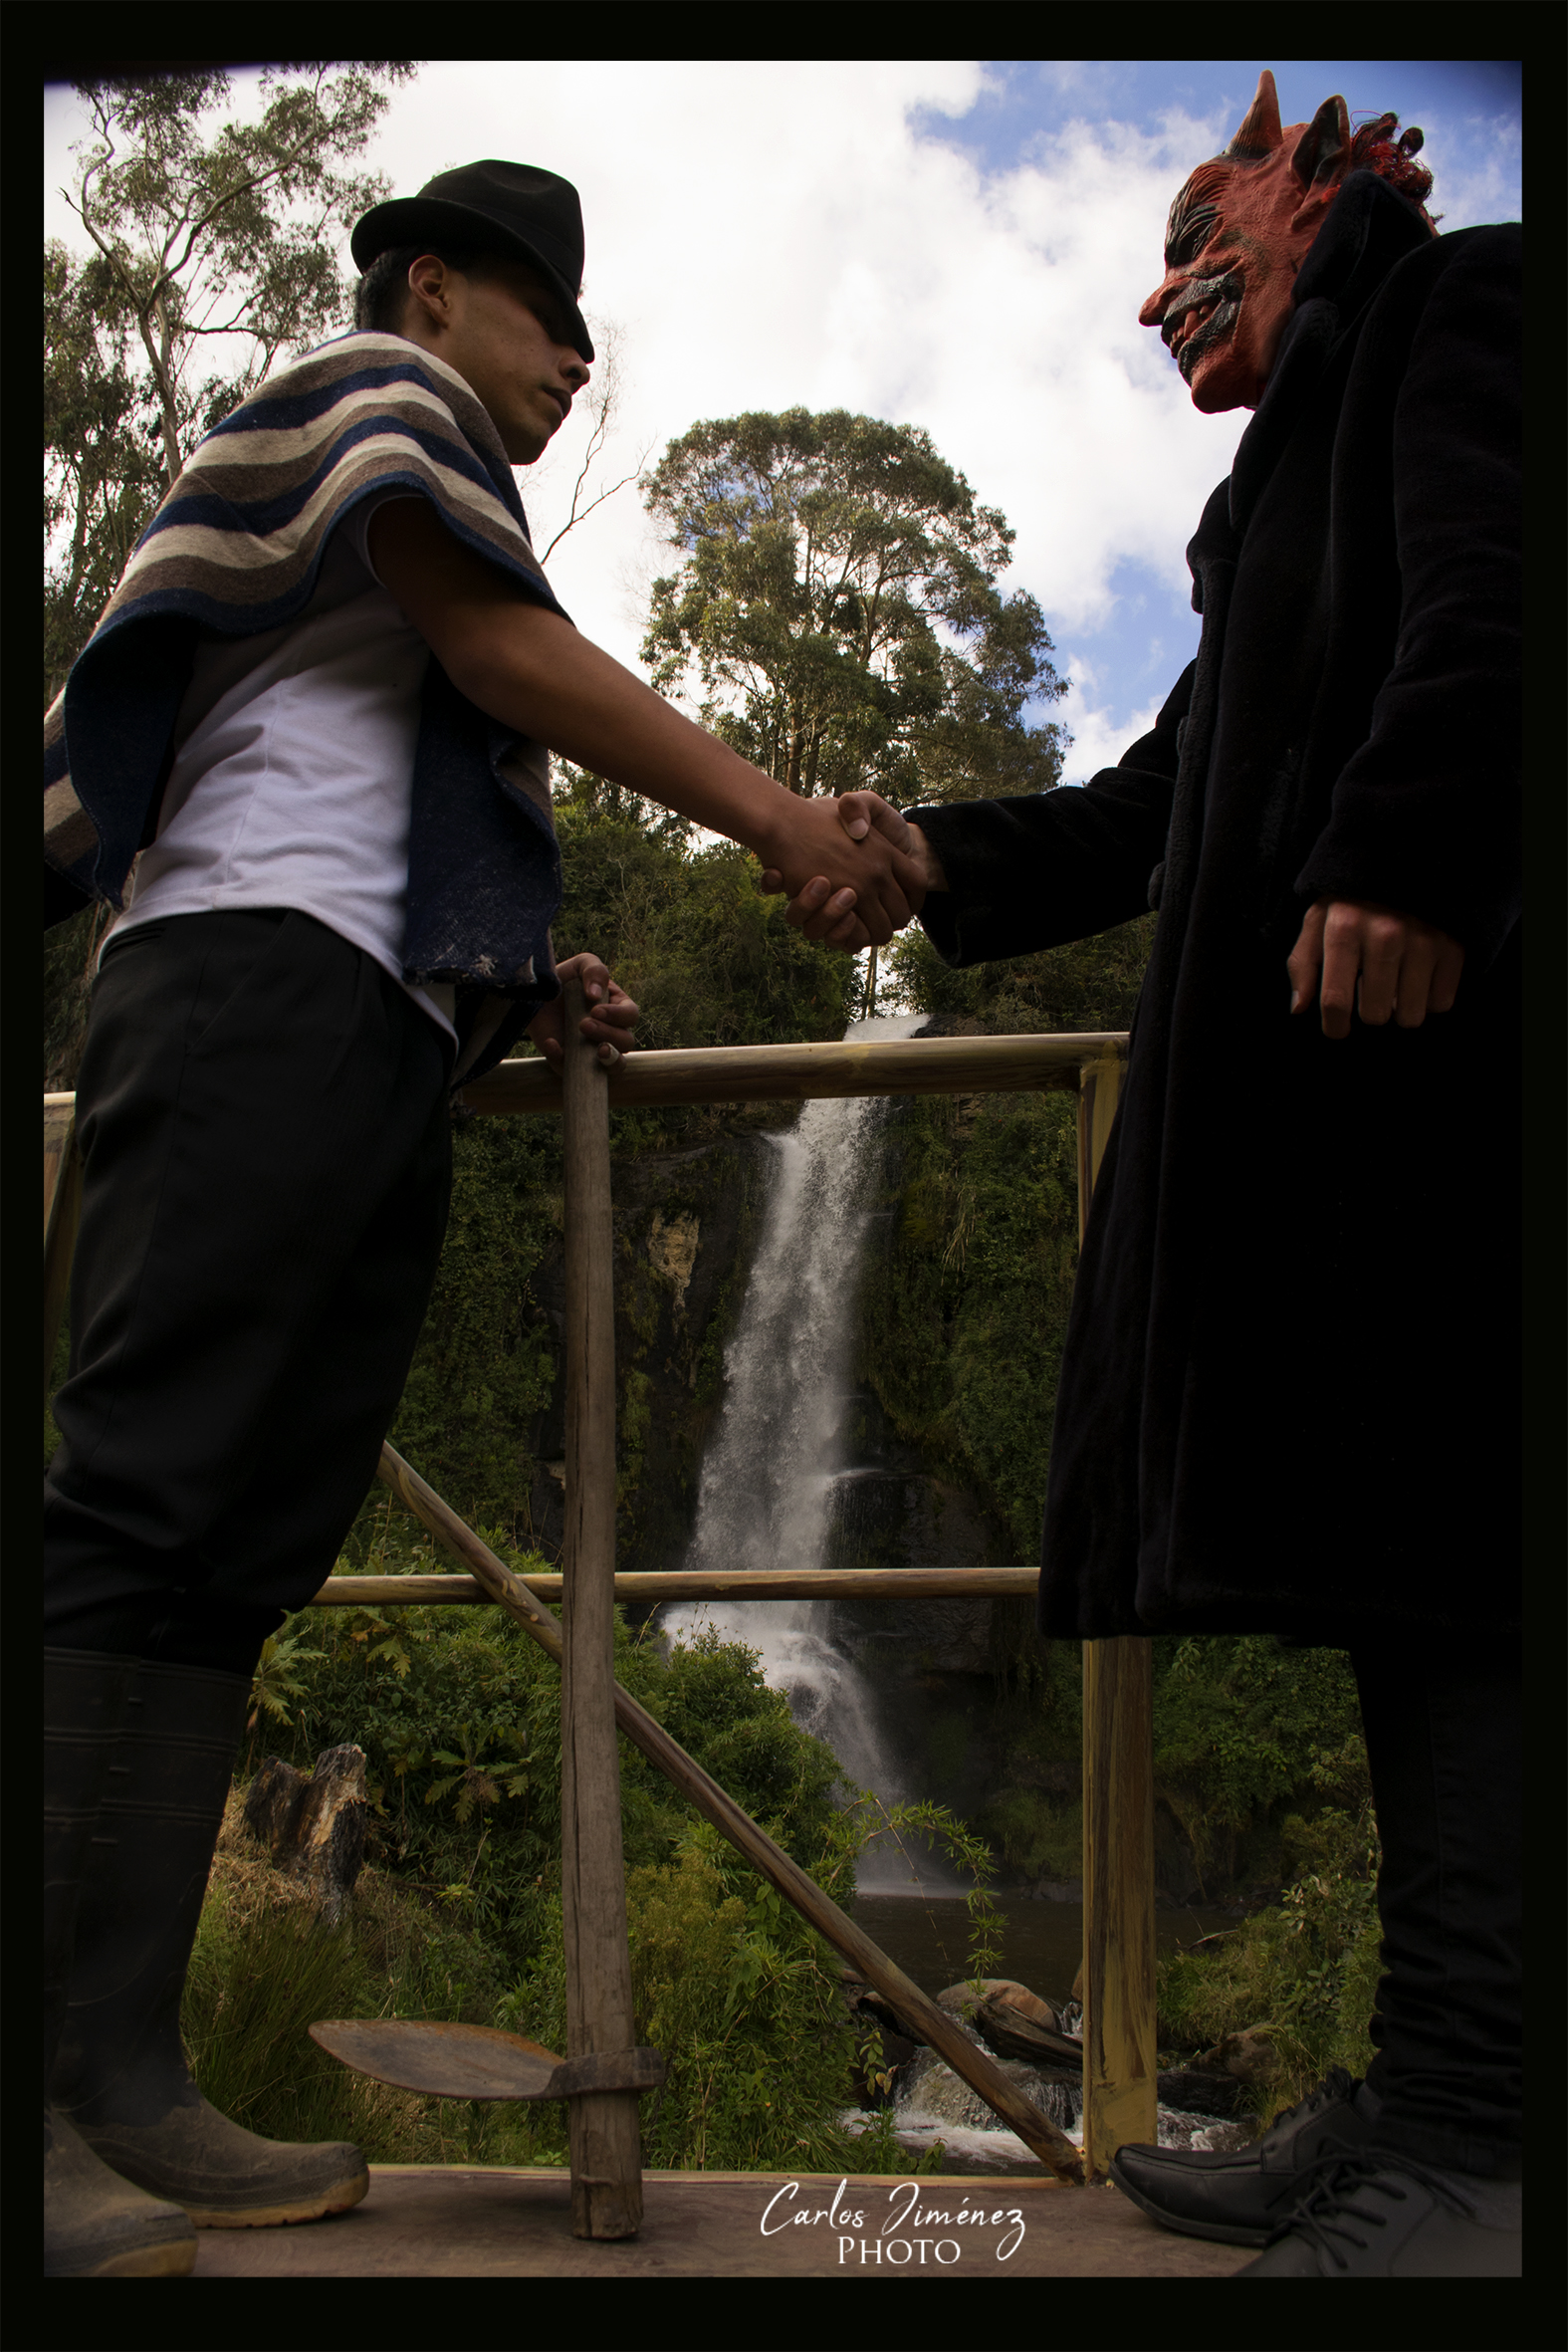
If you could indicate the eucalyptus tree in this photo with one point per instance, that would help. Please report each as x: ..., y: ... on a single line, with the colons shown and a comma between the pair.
x: 836, y: 609
x: 210, y: 251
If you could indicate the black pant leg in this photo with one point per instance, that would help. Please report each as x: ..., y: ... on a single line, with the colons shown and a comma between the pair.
x: 1444, y: 1734
x: 264, y: 1137
x: 316, y: 1449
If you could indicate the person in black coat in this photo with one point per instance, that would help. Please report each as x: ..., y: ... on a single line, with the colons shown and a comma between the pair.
x: 1289, y: 1398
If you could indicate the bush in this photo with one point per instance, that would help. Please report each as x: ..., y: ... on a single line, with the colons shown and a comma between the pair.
x: 460, y: 1913
x: 963, y: 1308
x: 1241, y: 1725
x: 744, y: 2000
x: 459, y: 1715
x: 1307, y: 1967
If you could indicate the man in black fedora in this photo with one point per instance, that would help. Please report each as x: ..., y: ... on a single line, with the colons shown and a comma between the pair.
x: 304, y: 757
x: 501, y: 211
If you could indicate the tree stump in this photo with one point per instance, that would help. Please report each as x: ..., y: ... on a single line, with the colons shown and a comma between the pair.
x: 313, y: 1824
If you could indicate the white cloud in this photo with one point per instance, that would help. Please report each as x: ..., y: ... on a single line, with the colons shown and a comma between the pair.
x: 1467, y: 194
x: 1099, y: 735
x: 860, y: 266
x: 768, y: 235
x: 775, y: 234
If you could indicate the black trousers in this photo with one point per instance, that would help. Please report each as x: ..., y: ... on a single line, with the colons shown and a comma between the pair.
x: 266, y: 1152
x: 1444, y: 1728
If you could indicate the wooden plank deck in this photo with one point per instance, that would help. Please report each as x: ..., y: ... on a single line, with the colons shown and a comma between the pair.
x: 499, y: 2222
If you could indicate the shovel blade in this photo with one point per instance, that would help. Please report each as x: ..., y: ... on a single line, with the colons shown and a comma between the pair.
x: 442, y: 2061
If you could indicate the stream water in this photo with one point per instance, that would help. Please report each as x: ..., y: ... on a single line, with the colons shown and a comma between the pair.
x: 1040, y: 1944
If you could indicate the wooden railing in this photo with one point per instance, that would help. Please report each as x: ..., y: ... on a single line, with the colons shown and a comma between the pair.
x: 1118, y: 2047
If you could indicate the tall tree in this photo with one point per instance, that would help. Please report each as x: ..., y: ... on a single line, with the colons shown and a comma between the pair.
x: 103, y: 474
x: 212, y: 251
x: 839, y: 609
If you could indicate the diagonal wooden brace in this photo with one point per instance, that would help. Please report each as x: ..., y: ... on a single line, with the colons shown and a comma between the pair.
x: 937, y: 2029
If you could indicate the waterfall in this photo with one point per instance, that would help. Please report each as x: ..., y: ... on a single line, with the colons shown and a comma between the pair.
x: 775, y: 1469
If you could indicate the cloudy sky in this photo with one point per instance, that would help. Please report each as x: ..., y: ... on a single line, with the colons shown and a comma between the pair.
x: 959, y: 245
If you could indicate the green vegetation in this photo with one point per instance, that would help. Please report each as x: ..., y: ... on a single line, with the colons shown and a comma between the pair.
x: 199, y: 227
x: 1307, y: 1967
x: 710, y: 960
x: 1086, y: 984
x: 965, y: 1307
x: 263, y: 1969
x: 458, y: 1716
x: 458, y: 1915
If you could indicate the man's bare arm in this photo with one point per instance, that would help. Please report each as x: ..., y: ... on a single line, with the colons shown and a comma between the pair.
x: 531, y: 670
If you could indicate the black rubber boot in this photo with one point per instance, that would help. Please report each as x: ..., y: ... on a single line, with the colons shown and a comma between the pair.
x: 121, y: 2074
x: 96, y: 2225
x: 1241, y: 2194
x: 1385, y: 2216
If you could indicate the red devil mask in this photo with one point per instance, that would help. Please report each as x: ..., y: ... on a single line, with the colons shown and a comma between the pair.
x: 1238, y: 234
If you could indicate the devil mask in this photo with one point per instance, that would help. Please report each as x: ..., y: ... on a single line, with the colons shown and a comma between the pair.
x: 1240, y: 229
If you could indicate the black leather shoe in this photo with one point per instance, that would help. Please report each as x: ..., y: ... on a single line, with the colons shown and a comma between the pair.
x: 1376, y: 2216
x: 1242, y: 2195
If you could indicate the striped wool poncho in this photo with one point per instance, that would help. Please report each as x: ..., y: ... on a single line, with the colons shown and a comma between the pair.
x: 236, y: 547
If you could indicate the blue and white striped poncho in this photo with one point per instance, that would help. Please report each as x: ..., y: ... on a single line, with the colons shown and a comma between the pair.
x: 236, y: 547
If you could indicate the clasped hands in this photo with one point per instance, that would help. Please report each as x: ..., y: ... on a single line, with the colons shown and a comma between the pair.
x: 1350, y: 954
x: 902, y: 863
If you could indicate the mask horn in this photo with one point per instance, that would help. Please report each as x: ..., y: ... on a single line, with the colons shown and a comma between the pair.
x: 1322, y: 153
x: 1260, y: 134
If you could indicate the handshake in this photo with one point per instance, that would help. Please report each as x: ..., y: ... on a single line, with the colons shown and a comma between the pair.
x: 856, y: 871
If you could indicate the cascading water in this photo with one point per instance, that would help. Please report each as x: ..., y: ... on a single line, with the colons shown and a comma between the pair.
x: 775, y: 1468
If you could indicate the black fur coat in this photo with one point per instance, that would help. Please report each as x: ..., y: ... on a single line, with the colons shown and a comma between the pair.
x: 1289, y: 1398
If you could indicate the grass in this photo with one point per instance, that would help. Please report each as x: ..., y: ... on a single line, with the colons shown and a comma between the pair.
x: 1306, y: 1967
x: 263, y: 1969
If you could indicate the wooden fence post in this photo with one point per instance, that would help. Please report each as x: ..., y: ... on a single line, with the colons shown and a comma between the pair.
x: 61, y: 1210
x: 1119, y: 2032
x: 606, y: 2157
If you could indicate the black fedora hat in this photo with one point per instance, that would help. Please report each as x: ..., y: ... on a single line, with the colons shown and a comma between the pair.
x: 511, y: 208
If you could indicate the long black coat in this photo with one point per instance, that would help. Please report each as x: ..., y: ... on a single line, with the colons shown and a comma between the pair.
x: 1289, y: 1395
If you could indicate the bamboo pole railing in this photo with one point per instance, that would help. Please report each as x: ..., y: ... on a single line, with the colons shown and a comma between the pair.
x: 62, y: 1204
x: 1118, y: 1884
x: 801, y: 1073
x: 605, y: 2153
x: 1120, y: 2099
x: 648, y: 1586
